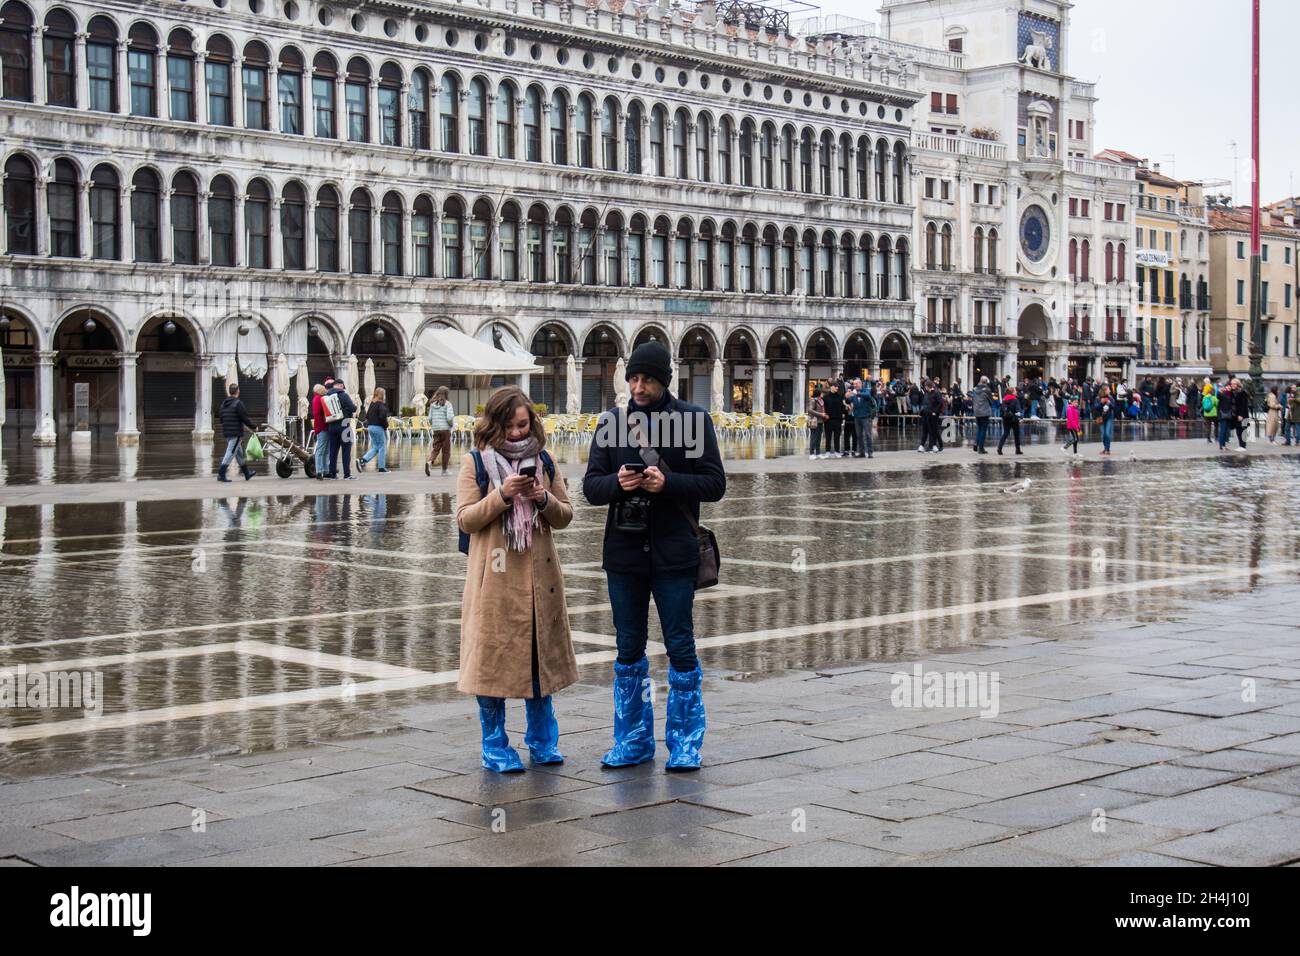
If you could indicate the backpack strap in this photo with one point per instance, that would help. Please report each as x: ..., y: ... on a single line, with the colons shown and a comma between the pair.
x: 480, y: 473
x: 548, y: 465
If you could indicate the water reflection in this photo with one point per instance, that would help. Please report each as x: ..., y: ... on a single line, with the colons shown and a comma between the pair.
x: 377, y: 579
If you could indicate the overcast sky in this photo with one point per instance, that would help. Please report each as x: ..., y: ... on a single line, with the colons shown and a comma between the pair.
x: 1173, y: 81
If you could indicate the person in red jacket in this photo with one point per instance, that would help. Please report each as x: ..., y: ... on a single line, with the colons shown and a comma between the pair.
x: 318, y: 426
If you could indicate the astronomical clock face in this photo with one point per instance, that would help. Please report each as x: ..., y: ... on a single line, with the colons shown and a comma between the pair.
x: 1035, y: 234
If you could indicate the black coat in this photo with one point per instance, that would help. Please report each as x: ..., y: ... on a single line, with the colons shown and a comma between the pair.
x: 834, y: 402
x: 669, y: 544
x: 377, y: 414
x: 234, y: 417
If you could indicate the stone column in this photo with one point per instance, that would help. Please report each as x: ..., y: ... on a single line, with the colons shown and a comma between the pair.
x: 435, y: 253
x: 45, y: 433
x: 237, y: 93
x: 83, y: 75
x: 162, y: 98
x: 374, y: 125
x: 273, y: 97
x: 203, y: 250
x: 692, y: 173
x: 376, y: 240
x: 127, y: 433
x: 545, y: 131
x: 345, y: 235
x: 599, y: 253
x: 239, y: 239
x: 309, y: 235
x: 800, y: 386
x: 203, y: 402
x: 165, y: 252
x: 275, y: 241
x: 122, y: 84
x: 42, y: 215
x: 201, y: 86
x: 84, y: 234
x: 126, y: 229
x: 760, y: 386
x: 38, y: 65
x: 462, y: 122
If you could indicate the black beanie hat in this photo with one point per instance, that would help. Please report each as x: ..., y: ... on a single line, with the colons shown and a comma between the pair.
x: 653, y: 359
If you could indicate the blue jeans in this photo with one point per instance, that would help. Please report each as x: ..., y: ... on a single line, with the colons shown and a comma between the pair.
x: 1225, y: 429
x: 981, y: 430
x: 815, y: 440
x: 1107, y: 432
x: 1033, y: 408
x: 1291, y: 432
x: 234, y: 450
x: 322, y: 448
x: 378, y: 445
x: 863, y: 426
x: 674, y: 594
x: 337, y: 444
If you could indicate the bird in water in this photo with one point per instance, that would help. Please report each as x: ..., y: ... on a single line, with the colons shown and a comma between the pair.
x: 1020, y: 487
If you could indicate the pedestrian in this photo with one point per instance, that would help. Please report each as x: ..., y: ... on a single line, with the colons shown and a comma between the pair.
x: 1073, y: 426
x: 320, y: 428
x: 652, y: 548
x: 1210, y: 411
x: 864, y: 414
x: 982, y: 409
x: 1103, y: 412
x: 834, y: 401
x: 514, y: 635
x: 931, y: 415
x: 1241, y: 412
x: 816, y: 423
x: 441, y: 421
x: 234, y: 419
x: 1273, y: 423
x: 377, y: 429
x: 848, y: 391
x: 1226, y: 414
x: 338, y: 415
x: 1293, y: 415
x: 1010, y: 419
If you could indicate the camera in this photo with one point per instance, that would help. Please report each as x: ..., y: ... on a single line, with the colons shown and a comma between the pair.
x: 633, y: 515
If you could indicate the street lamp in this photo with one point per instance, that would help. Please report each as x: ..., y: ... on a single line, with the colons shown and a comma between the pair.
x: 1256, y: 325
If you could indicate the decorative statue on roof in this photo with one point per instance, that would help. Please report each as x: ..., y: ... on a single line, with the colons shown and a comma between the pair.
x: 1036, y: 53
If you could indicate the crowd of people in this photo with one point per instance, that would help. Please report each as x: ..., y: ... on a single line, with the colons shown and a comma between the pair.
x: 843, y: 412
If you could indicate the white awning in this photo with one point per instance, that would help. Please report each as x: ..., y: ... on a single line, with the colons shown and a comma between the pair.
x: 448, y: 352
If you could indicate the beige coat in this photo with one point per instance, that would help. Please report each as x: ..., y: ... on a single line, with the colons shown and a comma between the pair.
x: 1274, y: 422
x: 502, y: 600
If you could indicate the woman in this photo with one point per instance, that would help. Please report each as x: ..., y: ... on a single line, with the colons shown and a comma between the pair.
x: 1010, y: 419
x: 1103, y: 411
x: 1273, y: 424
x: 441, y: 420
x: 377, y: 428
x: 816, y: 421
x: 514, y: 636
x: 1073, y: 425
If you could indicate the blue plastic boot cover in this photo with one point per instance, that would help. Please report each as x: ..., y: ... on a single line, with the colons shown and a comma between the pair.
x: 543, y: 732
x: 684, y: 727
x: 634, y: 716
x: 498, y: 755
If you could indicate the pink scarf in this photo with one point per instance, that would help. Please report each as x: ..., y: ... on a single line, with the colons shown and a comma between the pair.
x: 517, y: 524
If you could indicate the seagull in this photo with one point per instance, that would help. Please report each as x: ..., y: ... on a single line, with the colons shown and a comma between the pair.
x: 1018, y: 488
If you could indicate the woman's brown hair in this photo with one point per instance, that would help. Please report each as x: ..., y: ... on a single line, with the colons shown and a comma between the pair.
x: 498, y: 411
x: 440, y: 394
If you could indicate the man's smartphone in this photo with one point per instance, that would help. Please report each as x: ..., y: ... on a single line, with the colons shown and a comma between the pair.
x: 636, y: 468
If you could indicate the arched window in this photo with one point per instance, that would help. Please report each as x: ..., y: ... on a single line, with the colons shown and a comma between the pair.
x: 747, y: 272
x: 562, y: 246
x: 882, y: 160
x: 257, y: 94
x: 60, y: 58
x: 390, y: 234
x: 15, y: 52
x: 883, y: 251
x: 632, y: 138
x: 609, y: 134
x: 979, y: 249
x: 788, y: 138
x: 658, y: 138
x: 704, y: 256
x: 945, y: 246
x: 449, y: 113
x: 221, y: 221
x: 390, y: 104
x: 417, y: 109
x: 509, y: 243
x: 144, y: 216
x: 1074, y: 259
x: 846, y: 147
x: 141, y: 52
x: 826, y: 265
x: 611, y: 249
x: 845, y: 270
x: 422, y: 233
x: 535, y: 242
x: 323, y: 107
x: 931, y: 245
x: 533, y: 125
x: 63, y: 191
x: 106, y: 236
x: 789, y: 274
x: 862, y: 267
x: 767, y: 156
x: 101, y: 64
x: 327, y: 229
x: 505, y: 110
x: 725, y: 134
x: 1110, y: 262
x: 824, y: 149
x: 478, y: 116
x: 727, y: 258
x: 289, y: 91
x: 993, y: 251
x: 359, y: 212
x: 480, y: 230
x: 587, y: 247
x: 185, y: 219
x: 681, y: 120
x: 747, y: 152
x: 807, y: 262
x: 704, y: 149
x: 453, y: 224
x: 20, y: 206
x: 806, y: 161
x: 1085, y: 256
x: 560, y: 128
x: 257, y: 225
x: 899, y: 160
x: 293, y: 227
x: 583, y: 129
x: 356, y: 100
x: 1121, y: 267
x: 659, y: 254
x: 899, y: 279
x: 863, y: 160
x: 220, y: 60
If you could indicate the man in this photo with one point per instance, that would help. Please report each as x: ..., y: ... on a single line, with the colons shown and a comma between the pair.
x: 982, y: 409
x: 850, y: 432
x: 651, y: 549
x: 340, y: 433
x: 1034, y: 393
x: 234, y: 419
x: 320, y: 428
x: 1240, y: 411
x: 931, y: 415
x: 834, y: 401
x: 1292, y: 415
x: 864, y: 412
x: 898, y: 388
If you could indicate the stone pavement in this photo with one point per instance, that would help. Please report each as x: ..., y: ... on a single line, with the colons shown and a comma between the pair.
x: 739, y: 459
x: 1136, y: 743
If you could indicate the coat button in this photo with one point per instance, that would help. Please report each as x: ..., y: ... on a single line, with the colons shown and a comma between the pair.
x: 645, y: 547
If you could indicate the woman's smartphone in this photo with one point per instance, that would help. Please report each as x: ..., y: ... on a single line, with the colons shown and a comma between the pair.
x: 529, y: 470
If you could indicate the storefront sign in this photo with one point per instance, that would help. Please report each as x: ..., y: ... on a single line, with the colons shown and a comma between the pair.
x: 1150, y: 257
x: 20, y: 359
x: 90, y: 359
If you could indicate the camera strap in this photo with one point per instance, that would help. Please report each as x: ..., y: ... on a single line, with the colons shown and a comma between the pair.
x: 653, y: 459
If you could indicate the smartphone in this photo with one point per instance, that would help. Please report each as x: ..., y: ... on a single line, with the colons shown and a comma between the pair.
x: 529, y: 470
x: 637, y: 468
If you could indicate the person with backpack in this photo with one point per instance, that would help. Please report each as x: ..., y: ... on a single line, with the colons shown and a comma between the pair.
x: 816, y: 423
x: 234, y: 419
x: 982, y: 409
x: 442, y: 419
x: 1210, y: 412
x: 377, y: 428
x: 339, y: 409
x: 1010, y: 419
x: 320, y: 428
x: 1073, y: 426
x: 514, y: 635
